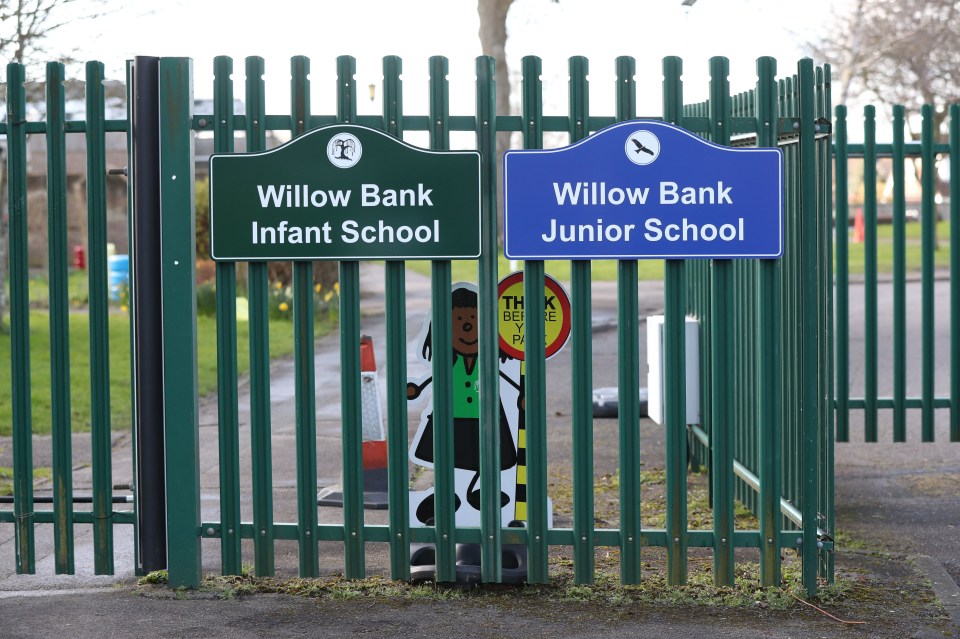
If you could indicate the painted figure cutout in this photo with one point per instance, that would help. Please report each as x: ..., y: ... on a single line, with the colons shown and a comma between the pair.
x: 466, y: 412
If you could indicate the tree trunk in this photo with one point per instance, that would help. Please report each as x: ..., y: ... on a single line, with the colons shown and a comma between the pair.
x: 493, y: 39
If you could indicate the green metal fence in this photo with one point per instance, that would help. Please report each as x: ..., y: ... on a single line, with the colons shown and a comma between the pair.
x: 761, y: 358
x: 63, y: 514
x: 766, y: 370
x: 867, y: 159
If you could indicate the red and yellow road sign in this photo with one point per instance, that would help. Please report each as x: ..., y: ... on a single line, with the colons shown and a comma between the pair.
x: 510, y: 314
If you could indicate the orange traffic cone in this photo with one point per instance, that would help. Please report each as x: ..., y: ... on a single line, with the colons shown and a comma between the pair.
x: 858, y: 226
x: 374, y: 445
x: 374, y: 439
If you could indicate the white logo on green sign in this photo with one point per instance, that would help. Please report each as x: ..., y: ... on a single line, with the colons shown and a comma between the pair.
x: 344, y: 150
x: 400, y: 202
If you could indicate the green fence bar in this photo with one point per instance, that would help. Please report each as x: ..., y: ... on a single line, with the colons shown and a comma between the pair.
x: 825, y: 317
x: 841, y: 264
x: 534, y: 352
x: 98, y: 317
x: 955, y: 274
x: 809, y: 364
x: 228, y: 401
x: 178, y: 257
x: 353, y: 530
x: 396, y: 310
x: 721, y: 372
x: 259, y: 331
x: 22, y: 413
x: 787, y: 270
x: 441, y: 273
x: 355, y: 561
x: 488, y: 334
x: 899, y: 280
x: 928, y: 221
x: 304, y: 358
x: 870, y: 271
x: 129, y: 74
x: 59, y: 319
x: 674, y: 368
x: 628, y: 368
x: 769, y: 362
x: 582, y: 359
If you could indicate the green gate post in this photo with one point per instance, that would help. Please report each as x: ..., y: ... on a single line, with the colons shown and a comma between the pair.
x: 259, y: 331
x: 20, y: 320
x: 955, y: 274
x: 131, y: 99
x: 352, y: 446
x: 899, y: 280
x: 809, y: 365
x: 841, y: 263
x: 99, y: 330
x: 178, y: 259
x: 59, y: 319
x: 304, y: 358
x: 398, y: 482
x: 768, y: 355
x: 490, y: 518
x: 581, y: 334
x: 443, y: 442
x: 870, y: 272
x: 535, y: 353
x: 628, y: 368
x: 825, y: 315
x: 928, y: 221
x: 227, y: 396
x: 675, y: 395
x: 722, y: 425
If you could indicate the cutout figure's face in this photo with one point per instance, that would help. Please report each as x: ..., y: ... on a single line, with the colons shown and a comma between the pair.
x: 465, y: 330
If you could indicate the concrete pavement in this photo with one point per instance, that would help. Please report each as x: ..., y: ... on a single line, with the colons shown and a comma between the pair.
x: 899, y: 500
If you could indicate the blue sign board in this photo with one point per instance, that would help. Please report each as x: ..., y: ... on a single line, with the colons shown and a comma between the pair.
x: 643, y: 189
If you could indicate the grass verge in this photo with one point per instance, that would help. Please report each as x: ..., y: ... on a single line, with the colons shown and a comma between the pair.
x: 281, y: 344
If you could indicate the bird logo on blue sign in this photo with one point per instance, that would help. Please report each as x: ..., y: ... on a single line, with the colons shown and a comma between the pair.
x: 642, y: 147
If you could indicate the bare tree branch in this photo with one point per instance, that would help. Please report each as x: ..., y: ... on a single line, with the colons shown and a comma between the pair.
x: 903, y: 51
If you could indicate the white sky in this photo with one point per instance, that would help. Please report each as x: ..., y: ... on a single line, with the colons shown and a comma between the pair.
x: 742, y: 30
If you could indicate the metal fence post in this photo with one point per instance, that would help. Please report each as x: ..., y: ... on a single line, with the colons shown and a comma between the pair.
x: 179, y: 312
x: 769, y: 358
x: 675, y: 398
x: 59, y: 319
x: 490, y: 518
x: 534, y: 352
x: 809, y: 365
x: 628, y: 367
x: 582, y: 359
x: 227, y: 394
x: 398, y: 482
x: 22, y: 414
x: 721, y: 288
x: 99, y: 329
x: 146, y: 305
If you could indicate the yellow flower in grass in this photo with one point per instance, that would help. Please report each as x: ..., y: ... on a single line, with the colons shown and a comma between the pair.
x: 284, y: 307
x: 317, y: 287
x: 336, y: 287
x: 278, y: 285
x: 326, y: 298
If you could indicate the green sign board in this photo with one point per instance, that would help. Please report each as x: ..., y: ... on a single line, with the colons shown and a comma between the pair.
x: 345, y: 192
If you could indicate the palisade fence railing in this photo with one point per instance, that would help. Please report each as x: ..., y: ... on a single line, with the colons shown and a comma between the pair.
x: 938, y: 257
x: 766, y: 370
